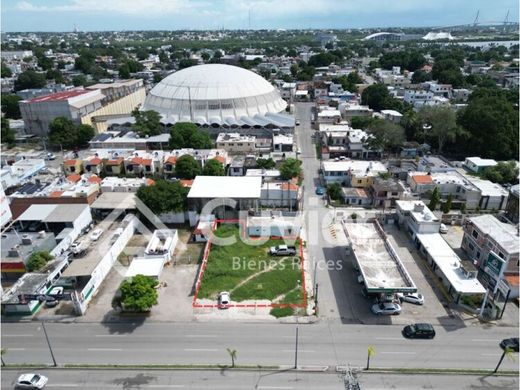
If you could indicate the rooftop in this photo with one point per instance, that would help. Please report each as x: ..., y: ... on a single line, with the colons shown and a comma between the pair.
x: 488, y: 188
x: 450, y: 264
x: 482, y: 162
x: 233, y: 187
x: 418, y: 210
x: 59, y: 96
x: 359, y: 167
x: 504, y: 234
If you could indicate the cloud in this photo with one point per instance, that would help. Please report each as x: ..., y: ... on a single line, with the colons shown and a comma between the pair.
x: 127, y: 7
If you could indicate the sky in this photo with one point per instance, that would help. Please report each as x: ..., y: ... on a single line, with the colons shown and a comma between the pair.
x: 98, y: 15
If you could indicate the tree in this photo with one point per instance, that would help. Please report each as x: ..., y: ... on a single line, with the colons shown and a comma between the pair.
x: 502, y: 173
x: 188, y: 135
x: 420, y: 76
x: 213, y: 168
x: 139, y: 294
x: 45, y: 63
x: 491, y: 122
x: 10, y: 106
x: 186, y: 63
x: 443, y: 122
x: 62, y: 132
x: 434, y: 199
x: 124, y: 71
x: 86, y: 61
x: 186, y: 167
x: 463, y: 208
x: 265, y: 163
x: 290, y: 168
x: 5, y: 71
x: 410, y: 60
x: 37, y: 260
x: 446, y: 207
x: 84, y: 133
x: 232, y: 355
x: 385, y: 135
x: 147, y: 123
x: 8, y: 135
x: 56, y: 75
x: 29, y: 79
x: 334, y: 191
x: 447, y: 71
x: 79, y: 80
x: 377, y: 97
x: 164, y: 196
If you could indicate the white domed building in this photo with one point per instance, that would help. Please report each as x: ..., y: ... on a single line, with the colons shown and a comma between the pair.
x: 221, y: 98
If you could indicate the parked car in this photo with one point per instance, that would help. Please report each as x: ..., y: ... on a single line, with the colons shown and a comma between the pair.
x: 419, y: 331
x: 58, y: 290
x: 511, y: 343
x: 360, y: 279
x: 320, y: 191
x: 297, y: 123
x: 96, y: 234
x: 223, y: 300
x: 443, y: 229
x: 415, y: 298
x: 282, y: 250
x: 50, y: 157
x: 31, y: 381
x: 51, y: 302
x: 386, y: 308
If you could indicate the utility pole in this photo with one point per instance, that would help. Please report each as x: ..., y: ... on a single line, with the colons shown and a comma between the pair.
x: 49, y: 344
x: 296, y: 347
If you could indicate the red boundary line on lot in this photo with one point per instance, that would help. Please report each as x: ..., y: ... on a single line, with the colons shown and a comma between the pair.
x: 207, y: 250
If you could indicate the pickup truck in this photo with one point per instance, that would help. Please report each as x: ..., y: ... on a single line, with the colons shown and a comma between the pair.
x: 282, y: 250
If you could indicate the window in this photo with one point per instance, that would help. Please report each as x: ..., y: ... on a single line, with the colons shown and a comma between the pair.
x: 73, y: 169
x: 471, y: 247
x: 359, y: 181
x: 474, y: 233
x: 501, y: 255
x: 395, y: 193
x: 148, y: 168
x: 478, y: 255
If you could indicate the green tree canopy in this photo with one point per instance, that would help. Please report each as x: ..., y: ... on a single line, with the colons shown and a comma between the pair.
x: 491, y: 122
x: 385, y: 135
x: 8, y: 134
x: 447, y: 71
x: 410, y: 60
x: 29, y: 79
x: 188, y: 135
x: 505, y: 172
x: 10, y: 106
x: 65, y: 133
x: 435, y: 198
x: 213, y: 168
x: 139, y: 294
x: 265, y: 163
x: 5, y: 71
x: 147, y: 123
x: 377, y: 97
x: 290, y: 168
x: 79, y: 80
x: 37, y: 260
x: 186, y: 167
x: 164, y: 196
x: 446, y: 207
x: 420, y: 76
x: 443, y: 122
x: 334, y: 191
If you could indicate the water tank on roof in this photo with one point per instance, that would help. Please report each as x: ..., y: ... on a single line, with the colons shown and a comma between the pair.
x: 418, y: 207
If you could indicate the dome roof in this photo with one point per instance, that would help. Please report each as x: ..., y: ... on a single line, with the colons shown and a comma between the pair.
x: 213, y: 93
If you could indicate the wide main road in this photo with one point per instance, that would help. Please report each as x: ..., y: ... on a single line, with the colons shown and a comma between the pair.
x: 323, y: 343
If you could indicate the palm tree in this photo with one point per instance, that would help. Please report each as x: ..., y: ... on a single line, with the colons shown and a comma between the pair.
x: 508, y: 351
x: 233, y: 355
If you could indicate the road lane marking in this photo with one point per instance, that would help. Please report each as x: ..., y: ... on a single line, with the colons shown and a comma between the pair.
x: 486, y: 340
x: 299, y: 350
x: 274, y: 387
x: 63, y: 385
x: 17, y: 335
x: 200, y: 350
x: 104, y: 349
x: 201, y: 335
x: 389, y: 338
x: 16, y: 349
x: 399, y: 353
x: 111, y: 335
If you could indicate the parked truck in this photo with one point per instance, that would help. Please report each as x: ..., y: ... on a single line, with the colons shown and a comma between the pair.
x: 282, y: 250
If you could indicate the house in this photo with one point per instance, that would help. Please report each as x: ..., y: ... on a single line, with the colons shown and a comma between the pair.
x: 385, y: 192
x: 416, y: 217
x: 512, y: 209
x: 329, y: 116
x: 392, y: 115
x: 354, y: 110
x: 236, y: 143
x: 273, y: 225
x: 354, y: 173
x: 477, y: 164
x: 283, y: 143
x: 355, y: 196
x: 114, y: 166
x: 420, y: 183
x: 280, y: 194
x: 434, y: 164
x: 492, y: 195
x: 144, y: 163
x: 72, y: 166
x: 93, y: 164
x: 124, y: 184
x: 493, y: 245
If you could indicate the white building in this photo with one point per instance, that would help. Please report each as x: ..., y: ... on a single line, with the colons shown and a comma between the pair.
x: 417, y: 218
x: 392, y: 115
x: 236, y: 143
x: 355, y: 173
x: 477, y: 164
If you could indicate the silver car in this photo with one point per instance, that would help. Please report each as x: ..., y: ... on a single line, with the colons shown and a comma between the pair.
x: 31, y: 381
x: 386, y: 308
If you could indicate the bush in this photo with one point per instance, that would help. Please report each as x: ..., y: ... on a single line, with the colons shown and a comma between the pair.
x: 279, y: 312
x: 37, y: 260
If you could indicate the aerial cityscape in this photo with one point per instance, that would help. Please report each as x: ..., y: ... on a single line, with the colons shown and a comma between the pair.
x: 254, y: 194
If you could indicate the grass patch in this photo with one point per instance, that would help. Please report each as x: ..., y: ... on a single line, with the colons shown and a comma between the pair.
x: 280, y: 312
x: 223, y: 274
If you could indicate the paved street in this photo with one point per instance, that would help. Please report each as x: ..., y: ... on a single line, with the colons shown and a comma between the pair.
x: 323, y: 343
x: 226, y: 379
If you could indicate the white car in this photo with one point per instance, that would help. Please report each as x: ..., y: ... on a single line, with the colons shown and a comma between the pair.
x: 58, y: 290
x: 31, y: 381
x: 443, y: 229
x: 50, y: 157
x: 223, y: 300
x: 96, y: 234
x: 416, y: 298
x: 386, y: 308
